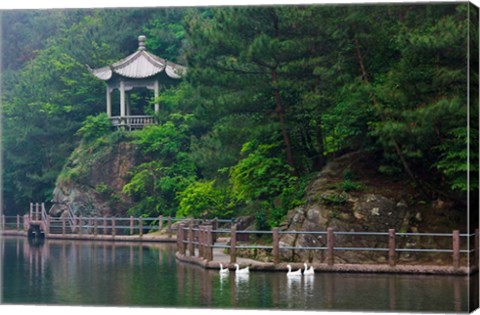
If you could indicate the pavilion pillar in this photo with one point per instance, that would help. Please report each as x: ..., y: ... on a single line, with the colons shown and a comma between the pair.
x: 127, y: 102
x: 109, y: 102
x: 156, y: 91
x: 122, y: 99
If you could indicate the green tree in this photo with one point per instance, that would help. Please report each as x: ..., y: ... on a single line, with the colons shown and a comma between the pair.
x: 167, y: 170
x: 48, y: 91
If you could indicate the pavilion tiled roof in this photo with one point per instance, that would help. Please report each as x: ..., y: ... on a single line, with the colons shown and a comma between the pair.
x: 139, y: 65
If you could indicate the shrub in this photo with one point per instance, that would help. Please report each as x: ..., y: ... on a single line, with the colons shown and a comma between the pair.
x: 259, y: 175
x: 95, y: 127
x: 204, y: 200
x: 349, y: 185
x: 334, y: 199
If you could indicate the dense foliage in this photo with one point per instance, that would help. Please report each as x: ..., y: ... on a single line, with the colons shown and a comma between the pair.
x: 271, y: 95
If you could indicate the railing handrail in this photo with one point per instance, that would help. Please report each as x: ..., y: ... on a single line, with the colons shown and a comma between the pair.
x: 321, y: 232
x: 204, y: 233
x: 132, y: 121
x: 132, y: 116
x: 44, y: 215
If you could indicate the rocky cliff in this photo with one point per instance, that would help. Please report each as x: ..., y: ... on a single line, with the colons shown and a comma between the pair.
x: 92, y: 180
x: 350, y: 195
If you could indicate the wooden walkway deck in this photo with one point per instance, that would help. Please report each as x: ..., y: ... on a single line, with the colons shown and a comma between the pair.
x: 220, y: 257
x: 204, y: 243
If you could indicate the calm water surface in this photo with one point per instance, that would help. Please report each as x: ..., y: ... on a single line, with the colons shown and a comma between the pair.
x: 108, y: 274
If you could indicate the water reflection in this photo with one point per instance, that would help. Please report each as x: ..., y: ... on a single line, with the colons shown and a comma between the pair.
x: 242, y: 289
x: 241, y: 280
x: 294, y: 283
x: 224, y: 277
x: 308, y: 287
x: 294, y: 292
x: 96, y: 273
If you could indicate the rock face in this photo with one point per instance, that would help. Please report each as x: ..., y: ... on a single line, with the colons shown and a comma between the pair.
x: 375, y: 205
x: 94, y: 181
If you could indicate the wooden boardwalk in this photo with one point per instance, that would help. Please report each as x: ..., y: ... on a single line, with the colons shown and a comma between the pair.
x: 204, y: 243
x: 220, y: 257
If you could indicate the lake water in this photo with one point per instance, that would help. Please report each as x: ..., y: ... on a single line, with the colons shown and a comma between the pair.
x: 121, y: 274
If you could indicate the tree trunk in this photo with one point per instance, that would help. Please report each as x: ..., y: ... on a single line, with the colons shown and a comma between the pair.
x: 280, y: 112
x: 320, y: 159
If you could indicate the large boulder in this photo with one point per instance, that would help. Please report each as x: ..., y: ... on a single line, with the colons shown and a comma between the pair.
x: 92, y: 181
x: 365, y: 213
x: 377, y: 204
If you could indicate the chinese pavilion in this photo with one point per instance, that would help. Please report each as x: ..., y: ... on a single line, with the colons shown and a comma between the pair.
x: 141, y: 69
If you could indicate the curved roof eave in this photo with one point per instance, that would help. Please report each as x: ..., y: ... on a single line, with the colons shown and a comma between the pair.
x: 175, y: 71
x: 104, y: 73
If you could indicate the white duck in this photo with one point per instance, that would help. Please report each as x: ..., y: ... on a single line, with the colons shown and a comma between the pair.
x: 308, y: 271
x: 241, y: 271
x: 223, y: 270
x: 294, y: 273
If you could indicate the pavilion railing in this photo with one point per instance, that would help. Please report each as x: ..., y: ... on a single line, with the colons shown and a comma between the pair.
x: 132, y: 122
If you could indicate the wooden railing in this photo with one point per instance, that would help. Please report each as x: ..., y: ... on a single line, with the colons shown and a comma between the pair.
x: 199, y: 240
x: 132, y: 122
x: 69, y: 224
x: 199, y: 237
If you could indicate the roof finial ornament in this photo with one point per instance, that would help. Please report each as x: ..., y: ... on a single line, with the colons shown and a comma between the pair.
x: 141, y: 42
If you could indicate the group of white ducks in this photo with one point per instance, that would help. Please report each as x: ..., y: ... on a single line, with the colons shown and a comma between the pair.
x: 309, y: 271
x: 238, y: 271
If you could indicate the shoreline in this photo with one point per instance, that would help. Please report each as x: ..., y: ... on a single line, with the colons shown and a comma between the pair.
x: 254, y: 265
x: 336, y: 268
x: 99, y: 237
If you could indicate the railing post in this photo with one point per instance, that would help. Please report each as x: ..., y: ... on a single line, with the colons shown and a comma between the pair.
x: 140, y: 226
x: 275, y: 245
x: 95, y: 224
x: 456, y: 248
x: 89, y: 223
x: 80, y: 225
x: 233, y: 244
x: 204, y: 241
x: 160, y: 222
x: 214, y: 227
x: 169, y: 227
x: 180, y: 239
x: 185, y: 238
x: 476, y: 247
x: 330, y: 244
x: 105, y: 232
x: 131, y: 225
x: 200, y: 240
x: 209, y: 244
x: 37, y: 210
x: 2, y: 226
x: 113, y: 227
x: 191, y: 249
x: 46, y: 218
x: 26, y: 222
x: 43, y: 210
x: 64, y: 225
x: 391, y: 247
x: 74, y: 227
x: 18, y: 222
x: 48, y: 224
x: 31, y: 211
